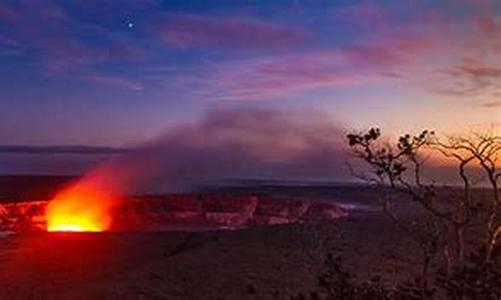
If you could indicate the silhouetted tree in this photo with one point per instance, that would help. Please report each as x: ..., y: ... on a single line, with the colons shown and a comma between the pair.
x: 397, y: 169
x: 449, y: 215
x: 389, y: 173
x: 482, y: 151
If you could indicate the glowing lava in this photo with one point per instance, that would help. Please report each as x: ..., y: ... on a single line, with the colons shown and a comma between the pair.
x: 80, y: 208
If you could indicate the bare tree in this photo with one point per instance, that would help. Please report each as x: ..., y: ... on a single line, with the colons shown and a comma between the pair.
x: 389, y: 165
x: 482, y: 152
x: 397, y: 170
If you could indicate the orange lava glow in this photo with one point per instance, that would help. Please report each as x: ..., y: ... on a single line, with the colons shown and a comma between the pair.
x: 80, y: 208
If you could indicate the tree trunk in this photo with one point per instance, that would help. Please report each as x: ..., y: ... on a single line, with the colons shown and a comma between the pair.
x: 460, y: 246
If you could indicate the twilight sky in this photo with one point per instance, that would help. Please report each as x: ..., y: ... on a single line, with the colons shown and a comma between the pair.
x: 120, y: 73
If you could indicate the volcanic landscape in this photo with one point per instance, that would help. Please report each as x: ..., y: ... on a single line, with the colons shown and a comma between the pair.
x: 250, y: 240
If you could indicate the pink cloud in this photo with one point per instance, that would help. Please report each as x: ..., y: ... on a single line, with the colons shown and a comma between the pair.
x: 460, y: 56
x: 489, y: 31
x: 389, y: 54
x: 494, y: 104
x: 473, y: 78
x: 488, y: 25
x: 281, y: 76
x: 233, y: 32
x: 480, y: 71
x: 444, y: 53
x: 278, y: 76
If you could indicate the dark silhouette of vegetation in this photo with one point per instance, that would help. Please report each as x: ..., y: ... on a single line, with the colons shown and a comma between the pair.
x: 475, y: 281
x: 441, y: 234
x: 336, y: 283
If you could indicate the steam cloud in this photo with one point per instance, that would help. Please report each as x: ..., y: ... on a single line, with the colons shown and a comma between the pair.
x: 225, y: 144
x: 232, y: 143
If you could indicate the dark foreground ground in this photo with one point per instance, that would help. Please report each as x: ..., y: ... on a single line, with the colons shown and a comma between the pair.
x: 260, y: 263
x: 273, y: 262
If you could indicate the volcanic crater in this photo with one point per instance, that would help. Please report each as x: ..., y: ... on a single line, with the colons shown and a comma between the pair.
x: 183, y: 212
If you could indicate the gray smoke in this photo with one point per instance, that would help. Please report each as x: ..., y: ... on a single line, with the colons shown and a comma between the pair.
x: 236, y: 143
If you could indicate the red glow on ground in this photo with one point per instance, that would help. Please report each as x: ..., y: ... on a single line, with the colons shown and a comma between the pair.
x: 80, y: 208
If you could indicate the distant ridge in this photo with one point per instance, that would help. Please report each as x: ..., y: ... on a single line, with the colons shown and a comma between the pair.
x: 277, y: 182
x: 58, y: 149
x: 31, y: 187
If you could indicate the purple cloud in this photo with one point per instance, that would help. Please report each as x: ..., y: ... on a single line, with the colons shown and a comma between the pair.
x: 46, y: 29
x: 366, y: 14
x: 114, y: 82
x: 37, y: 25
x: 279, y: 76
x: 231, y: 32
x: 471, y: 78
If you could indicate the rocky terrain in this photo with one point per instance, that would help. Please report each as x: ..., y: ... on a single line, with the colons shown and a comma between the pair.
x: 184, y: 212
x: 263, y: 262
x: 257, y: 261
